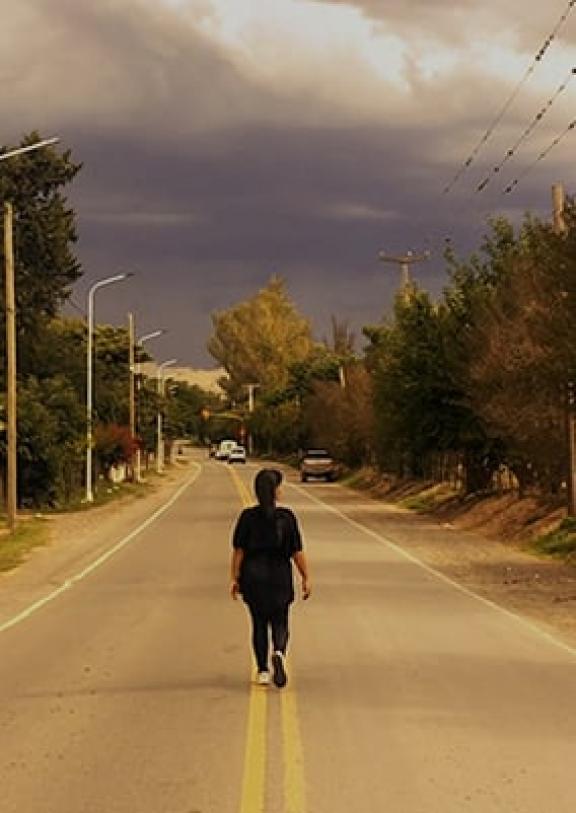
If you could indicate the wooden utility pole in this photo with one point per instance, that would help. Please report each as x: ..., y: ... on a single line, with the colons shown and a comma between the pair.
x: 11, y: 436
x: 558, y: 203
x: 132, y: 397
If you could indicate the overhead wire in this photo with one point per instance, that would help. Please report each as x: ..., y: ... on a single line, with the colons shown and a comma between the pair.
x: 512, y: 98
x: 512, y: 186
x: 527, y: 132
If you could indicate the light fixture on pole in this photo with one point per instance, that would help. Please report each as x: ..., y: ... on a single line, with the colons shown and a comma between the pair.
x: 89, y: 376
x: 47, y: 142
x: 134, y: 400
x: 10, y: 304
x: 160, y: 392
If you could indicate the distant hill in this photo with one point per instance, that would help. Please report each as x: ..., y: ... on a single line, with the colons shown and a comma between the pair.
x: 205, y: 379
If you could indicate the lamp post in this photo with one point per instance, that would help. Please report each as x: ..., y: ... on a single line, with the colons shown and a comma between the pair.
x: 251, y: 388
x: 135, y: 369
x: 160, y: 391
x: 11, y: 392
x: 89, y: 375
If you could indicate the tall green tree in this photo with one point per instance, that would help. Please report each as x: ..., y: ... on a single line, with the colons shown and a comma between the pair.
x: 44, y: 236
x: 257, y: 341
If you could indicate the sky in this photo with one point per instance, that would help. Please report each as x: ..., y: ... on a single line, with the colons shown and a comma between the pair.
x: 224, y: 141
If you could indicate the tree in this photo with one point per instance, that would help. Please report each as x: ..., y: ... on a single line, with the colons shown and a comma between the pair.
x: 44, y: 233
x: 113, y: 445
x: 523, y: 338
x: 258, y: 340
x: 51, y: 447
x: 349, y: 434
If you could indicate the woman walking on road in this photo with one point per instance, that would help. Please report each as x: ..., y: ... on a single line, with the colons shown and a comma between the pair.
x: 265, y: 543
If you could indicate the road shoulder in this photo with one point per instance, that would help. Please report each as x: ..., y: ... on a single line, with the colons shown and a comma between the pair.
x: 76, y: 539
x: 541, y: 589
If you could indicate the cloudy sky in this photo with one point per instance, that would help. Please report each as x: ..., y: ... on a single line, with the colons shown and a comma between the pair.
x: 227, y: 140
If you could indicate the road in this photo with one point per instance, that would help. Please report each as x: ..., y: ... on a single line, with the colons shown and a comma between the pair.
x: 130, y: 690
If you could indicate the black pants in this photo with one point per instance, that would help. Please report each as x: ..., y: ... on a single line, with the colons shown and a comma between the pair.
x: 277, y: 621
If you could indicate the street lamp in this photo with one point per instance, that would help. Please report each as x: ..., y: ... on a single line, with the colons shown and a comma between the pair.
x: 10, y: 304
x: 89, y: 363
x: 251, y: 388
x: 47, y: 142
x: 160, y: 392
x: 134, y: 369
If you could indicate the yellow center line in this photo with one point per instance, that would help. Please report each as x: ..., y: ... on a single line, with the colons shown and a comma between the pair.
x: 294, y: 789
x: 254, y: 779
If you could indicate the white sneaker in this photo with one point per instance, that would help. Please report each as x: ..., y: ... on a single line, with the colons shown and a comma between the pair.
x: 279, y: 670
x: 263, y: 678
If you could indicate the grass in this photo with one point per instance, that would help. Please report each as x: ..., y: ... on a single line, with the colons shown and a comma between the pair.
x: 29, y: 534
x: 560, y: 543
x: 107, y: 492
x: 429, y: 498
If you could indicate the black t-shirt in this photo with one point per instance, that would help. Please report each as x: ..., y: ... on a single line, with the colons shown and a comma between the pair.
x: 268, y: 544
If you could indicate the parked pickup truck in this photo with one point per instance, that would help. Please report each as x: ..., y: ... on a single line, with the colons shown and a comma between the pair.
x: 318, y: 463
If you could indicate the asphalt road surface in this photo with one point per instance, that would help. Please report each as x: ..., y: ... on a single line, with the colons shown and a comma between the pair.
x: 131, y: 691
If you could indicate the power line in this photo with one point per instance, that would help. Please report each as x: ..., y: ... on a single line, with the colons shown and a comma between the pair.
x: 511, y: 187
x: 511, y: 99
x: 528, y: 131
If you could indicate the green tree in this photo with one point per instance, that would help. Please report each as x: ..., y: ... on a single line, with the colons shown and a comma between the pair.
x: 258, y: 340
x: 522, y: 344
x: 51, y: 448
x: 44, y: 234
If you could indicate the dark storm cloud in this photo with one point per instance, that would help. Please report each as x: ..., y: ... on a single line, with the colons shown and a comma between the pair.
x: 205, y: 176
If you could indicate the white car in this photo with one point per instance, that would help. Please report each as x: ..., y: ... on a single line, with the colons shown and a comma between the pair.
x: 224, y: 449
x: 237, y: 455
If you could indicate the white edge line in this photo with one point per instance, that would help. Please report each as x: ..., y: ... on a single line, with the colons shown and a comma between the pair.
x: 465, y: 590
x: 69, y: 583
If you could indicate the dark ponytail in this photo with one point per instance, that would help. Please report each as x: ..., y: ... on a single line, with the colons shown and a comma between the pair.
x: 266, y: 485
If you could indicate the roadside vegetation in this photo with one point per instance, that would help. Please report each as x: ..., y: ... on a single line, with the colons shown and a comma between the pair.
x: 444, y: 400
x: 560, y: 543
x: 14, y: 548
x: 460, y: 398
x: 52, y: 353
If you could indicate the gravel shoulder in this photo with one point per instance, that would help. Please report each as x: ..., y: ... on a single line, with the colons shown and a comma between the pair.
x: 501, y: 570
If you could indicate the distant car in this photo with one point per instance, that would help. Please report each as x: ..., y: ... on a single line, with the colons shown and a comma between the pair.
x: 237, y: 455
x: 224, y: 449
x: 319, y: 464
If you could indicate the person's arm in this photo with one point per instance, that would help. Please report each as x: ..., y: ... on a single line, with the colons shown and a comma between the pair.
x: 301, y: 563
x: 237, y: 557
x: 238, y: 544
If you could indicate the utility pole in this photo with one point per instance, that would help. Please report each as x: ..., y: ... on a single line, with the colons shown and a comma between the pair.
x: 10, y: 306
x: 159, y: 417
x: 251, y: 388
x: 11, y: 438
x: 132, y: 399
x: 405, y: 261
x: 558, y: 203
x: 139, y: 343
